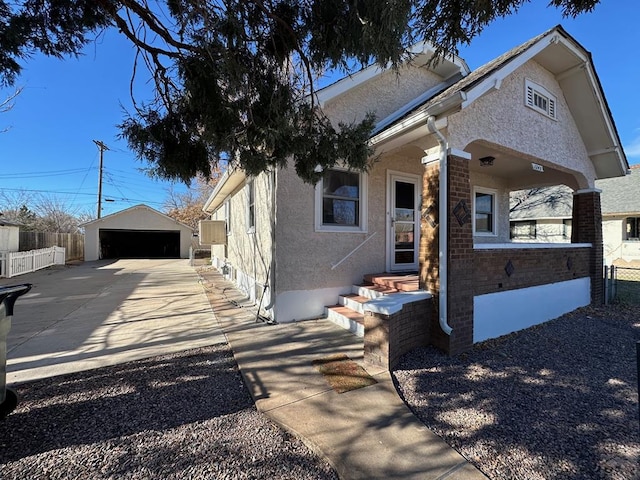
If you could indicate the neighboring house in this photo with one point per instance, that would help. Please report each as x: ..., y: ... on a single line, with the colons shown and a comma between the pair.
x: 541, y: 215
x: 621, y: 217
x: 9, y: 235
x: 452, y: 145
x: 136, y: 232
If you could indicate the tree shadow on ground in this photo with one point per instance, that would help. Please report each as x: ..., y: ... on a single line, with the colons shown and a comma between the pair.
x: 554, y: 401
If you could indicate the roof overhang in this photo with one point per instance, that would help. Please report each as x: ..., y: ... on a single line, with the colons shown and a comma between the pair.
x: 232, y: 179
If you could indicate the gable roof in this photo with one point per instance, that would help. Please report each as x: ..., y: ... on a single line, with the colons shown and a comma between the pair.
x: 130, y: 210
x: 419, y: 55
x: 621, y: 195
x: 572, y: 66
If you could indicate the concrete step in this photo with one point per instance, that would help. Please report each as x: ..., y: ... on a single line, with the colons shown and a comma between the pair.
x: 346, y: 318
x: 402, y: 282
x: 353, y: 301
x: 372, y: 291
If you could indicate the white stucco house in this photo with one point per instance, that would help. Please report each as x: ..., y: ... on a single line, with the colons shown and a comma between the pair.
x: 621, y: 218
x: 541, y: 215
x: 452, y: 145
x: 136, y: 232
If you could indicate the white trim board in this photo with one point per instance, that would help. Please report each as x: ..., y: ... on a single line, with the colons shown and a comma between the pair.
x: 497, y: 314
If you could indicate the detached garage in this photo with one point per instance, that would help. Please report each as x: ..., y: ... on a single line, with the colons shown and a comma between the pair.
x: 137, y: 232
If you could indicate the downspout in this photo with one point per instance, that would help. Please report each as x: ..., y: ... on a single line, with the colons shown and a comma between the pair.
x: 443, y: 221
x: 271, y: 281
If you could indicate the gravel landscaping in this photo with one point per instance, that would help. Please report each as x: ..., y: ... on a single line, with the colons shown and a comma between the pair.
x: 186, y: 415
x: 556, y: 401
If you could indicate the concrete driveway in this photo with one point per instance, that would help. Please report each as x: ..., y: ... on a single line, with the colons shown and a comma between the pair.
x: 102, y: 313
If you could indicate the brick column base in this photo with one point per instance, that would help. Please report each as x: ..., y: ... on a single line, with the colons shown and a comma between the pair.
x: 586, y: 227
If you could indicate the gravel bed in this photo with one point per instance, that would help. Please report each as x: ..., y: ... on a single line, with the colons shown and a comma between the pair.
x: 186, y: 415
x: 555, y: 401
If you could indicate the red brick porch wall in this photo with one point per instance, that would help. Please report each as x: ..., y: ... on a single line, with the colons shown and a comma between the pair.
x: 530, y: 267
x: 388, y: 337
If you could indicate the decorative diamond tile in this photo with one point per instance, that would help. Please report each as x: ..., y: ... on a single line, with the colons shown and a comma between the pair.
x: 509, y: 268
x: 428, y: 217
x: 569, y: 263
x: 462, y: 212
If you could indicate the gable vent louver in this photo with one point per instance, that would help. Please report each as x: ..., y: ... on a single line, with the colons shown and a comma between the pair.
x: 539, y: 99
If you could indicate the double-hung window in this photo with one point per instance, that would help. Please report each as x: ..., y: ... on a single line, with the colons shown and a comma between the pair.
x: 484, y: 207
x: 340, y: 201
x: 251, y: 206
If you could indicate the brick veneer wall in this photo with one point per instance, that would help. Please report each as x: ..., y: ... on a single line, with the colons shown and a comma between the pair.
x: 459, y: 255
x: 531, y: 267
x: 388, y: 337
x: 587, y: 228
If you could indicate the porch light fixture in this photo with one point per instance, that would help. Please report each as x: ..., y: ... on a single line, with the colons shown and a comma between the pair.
x: 487, y: 161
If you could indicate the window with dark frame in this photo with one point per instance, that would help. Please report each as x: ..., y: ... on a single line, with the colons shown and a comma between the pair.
x: 633, y: 228
x: 251, y: 210
x: 484, y: 206
x: 341, y: 198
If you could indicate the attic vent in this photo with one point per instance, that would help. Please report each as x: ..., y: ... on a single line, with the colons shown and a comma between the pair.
x: 539, y: 99
x: 212, y: 232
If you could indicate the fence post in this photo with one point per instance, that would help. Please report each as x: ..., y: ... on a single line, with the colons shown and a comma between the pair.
x: 606, y: 285
x: 638, y: 375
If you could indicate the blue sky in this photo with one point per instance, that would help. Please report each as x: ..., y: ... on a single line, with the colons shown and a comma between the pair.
x: 66, y: 104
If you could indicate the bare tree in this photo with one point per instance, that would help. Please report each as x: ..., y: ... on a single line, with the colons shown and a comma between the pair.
x: 186, y: 207
x: 8, y: 103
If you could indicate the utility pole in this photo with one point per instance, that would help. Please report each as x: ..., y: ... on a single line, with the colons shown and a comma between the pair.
x: 102, y: 148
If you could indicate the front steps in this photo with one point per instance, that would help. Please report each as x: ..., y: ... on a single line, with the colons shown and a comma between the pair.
x: 349, y: 312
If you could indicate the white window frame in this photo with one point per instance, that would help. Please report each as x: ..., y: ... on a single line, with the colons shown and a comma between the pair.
x: 362, y: 202
x: 227, y: 215
x: 533, y: 90
x: 494, y: 207
x: 251, y: 196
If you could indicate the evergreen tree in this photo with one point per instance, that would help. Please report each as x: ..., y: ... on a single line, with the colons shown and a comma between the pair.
x: 235, y: 79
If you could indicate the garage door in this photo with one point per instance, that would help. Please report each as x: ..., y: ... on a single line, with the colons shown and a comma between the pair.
x: 139, y: 244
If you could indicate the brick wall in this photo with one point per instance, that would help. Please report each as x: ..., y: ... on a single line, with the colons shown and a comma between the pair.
x: 388, y: 337
x: 587, y: 228
x: 530, y: 267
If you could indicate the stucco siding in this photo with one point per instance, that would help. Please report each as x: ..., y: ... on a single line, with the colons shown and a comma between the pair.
x: 502, y: 118
x: 249, y: 250
x: 381, y: 95
x: 502, y: 205
x: 305, y: 256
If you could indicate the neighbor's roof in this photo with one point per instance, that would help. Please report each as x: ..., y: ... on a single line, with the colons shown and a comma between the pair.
x: 621, y: 195
x: 573, y: 67
x: 130, y: 209
x: 9, y: 223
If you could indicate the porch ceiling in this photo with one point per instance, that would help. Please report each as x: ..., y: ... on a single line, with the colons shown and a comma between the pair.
x: 517, y: 172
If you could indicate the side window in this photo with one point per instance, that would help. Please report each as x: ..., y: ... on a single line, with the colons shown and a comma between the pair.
x: 251, y: 206
x: 523, y: 230
x: 633, y: 228
x: 227, y: 216
x: 484, y: 207
x: 340, y: 201
x: 566, y: 228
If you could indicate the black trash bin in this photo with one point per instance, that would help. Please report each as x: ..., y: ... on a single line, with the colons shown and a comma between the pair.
x: 8, y: 297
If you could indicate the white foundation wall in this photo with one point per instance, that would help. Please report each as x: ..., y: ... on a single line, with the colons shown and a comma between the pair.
x: 497, y: 314
x: 299, y: 305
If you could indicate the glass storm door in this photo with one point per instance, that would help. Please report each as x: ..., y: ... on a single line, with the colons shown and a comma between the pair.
x: 404, y: 224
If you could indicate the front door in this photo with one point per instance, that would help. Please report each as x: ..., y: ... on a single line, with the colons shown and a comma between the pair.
x: 403, y: 222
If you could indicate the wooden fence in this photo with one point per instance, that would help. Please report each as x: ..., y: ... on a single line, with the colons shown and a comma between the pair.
x: 73, y: 243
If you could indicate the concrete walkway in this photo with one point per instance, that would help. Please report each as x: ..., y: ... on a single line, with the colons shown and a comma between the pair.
x: 103, y: 313
x: 367, y: 433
